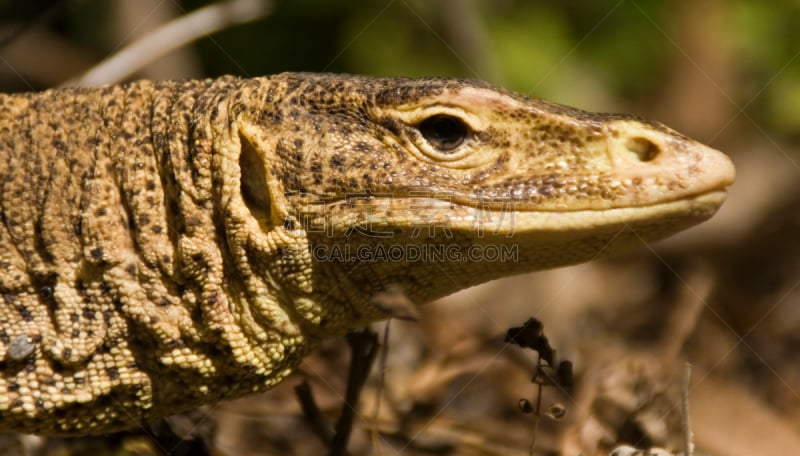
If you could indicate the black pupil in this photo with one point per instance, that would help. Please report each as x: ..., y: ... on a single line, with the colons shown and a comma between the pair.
x: 443, y: 132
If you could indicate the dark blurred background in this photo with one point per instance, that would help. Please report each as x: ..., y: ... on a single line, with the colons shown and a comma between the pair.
x: 604, y: 54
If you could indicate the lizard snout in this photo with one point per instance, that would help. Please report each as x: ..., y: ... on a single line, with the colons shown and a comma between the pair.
x: 666, y: 164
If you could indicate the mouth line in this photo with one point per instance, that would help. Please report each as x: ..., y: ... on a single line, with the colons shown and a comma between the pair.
x: 542, y: 224
x: 715, y: 196
x: 529, y: 205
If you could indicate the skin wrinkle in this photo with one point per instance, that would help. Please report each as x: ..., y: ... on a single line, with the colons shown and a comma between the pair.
x: 197, y: 238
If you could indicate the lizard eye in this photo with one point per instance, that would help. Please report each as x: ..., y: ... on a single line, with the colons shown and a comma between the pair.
x: 444, y: 132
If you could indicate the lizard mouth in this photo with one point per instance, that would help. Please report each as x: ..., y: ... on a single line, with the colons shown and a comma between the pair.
x: 683, y: 212
x: 424, y: 200
x: 579, y: 204
x: 384, y: 215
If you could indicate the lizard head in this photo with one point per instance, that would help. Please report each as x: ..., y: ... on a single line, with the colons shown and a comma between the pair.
x: 433, y: 185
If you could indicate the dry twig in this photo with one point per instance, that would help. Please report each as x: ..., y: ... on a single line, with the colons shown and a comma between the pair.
x: 171, y: 36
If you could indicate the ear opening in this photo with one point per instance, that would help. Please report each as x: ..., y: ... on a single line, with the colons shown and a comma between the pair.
x: 255, y: 191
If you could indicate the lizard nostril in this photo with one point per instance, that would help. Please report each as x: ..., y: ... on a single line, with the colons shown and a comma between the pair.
x: 644, y: 149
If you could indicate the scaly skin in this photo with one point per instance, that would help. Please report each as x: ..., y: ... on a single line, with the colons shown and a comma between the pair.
x: 165, y: 245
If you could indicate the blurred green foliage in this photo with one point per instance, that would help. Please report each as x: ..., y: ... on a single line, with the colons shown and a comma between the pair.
x: 553, y: 48
x: 576, y: 52
x: 766, y: 39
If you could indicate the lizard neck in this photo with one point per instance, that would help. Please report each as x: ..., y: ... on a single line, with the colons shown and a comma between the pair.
x: 285, y: 287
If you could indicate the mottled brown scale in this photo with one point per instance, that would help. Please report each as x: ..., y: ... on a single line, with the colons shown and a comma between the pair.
x: 160, y: 241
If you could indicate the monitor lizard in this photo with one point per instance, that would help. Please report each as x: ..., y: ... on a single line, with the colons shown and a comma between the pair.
x: 171, y: 244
